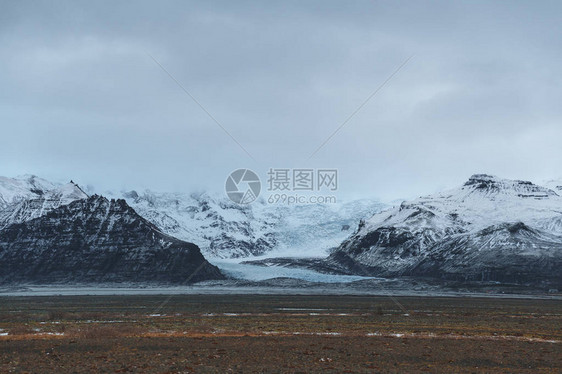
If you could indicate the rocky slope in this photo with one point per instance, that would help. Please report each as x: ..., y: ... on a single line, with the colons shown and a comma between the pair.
x: 489, y: 229
x: 97, y: 240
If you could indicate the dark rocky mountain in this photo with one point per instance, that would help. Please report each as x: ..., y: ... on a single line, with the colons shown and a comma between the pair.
x: 96, y: 240
x: 506, y: 253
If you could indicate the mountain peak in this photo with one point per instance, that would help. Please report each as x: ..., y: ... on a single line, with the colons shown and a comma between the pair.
x: 520, y: 188
x: 483, y: 181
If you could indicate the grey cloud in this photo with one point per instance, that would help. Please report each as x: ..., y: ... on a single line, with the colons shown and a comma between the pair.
x: 81, y: 99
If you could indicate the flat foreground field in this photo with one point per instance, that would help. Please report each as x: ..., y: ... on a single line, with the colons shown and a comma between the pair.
x: 278, y: 334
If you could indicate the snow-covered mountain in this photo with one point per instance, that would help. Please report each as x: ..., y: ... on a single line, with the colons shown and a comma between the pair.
x: 13, y: 190
x: 97, y: 240
x: 487, y: 229
x: 224, y: 229
x: 219, y: 226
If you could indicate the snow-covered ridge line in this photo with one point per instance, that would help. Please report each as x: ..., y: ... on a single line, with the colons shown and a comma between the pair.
x: 482, y: 201
x: 33, y: 197
x: 13, y: 190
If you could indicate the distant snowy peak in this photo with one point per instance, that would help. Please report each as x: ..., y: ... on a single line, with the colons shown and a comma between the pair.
x: 40, y: 203
x: 13, y: 190
x: 487, y: 184
x: 65, y: 194
x: 555, y: 185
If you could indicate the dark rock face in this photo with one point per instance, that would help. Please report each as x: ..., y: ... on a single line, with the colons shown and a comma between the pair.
x: 318, y: 264
x: 488, y: 183
x: 508, y: 253
x: 97, y: 240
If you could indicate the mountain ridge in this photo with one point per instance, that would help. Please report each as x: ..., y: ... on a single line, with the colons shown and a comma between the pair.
x: 34, y: 207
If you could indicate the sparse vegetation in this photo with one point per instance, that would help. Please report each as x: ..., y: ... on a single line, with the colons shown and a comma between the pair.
x: 279, y: 334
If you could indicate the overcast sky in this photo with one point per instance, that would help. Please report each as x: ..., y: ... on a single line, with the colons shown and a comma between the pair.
x: 81, y: 98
